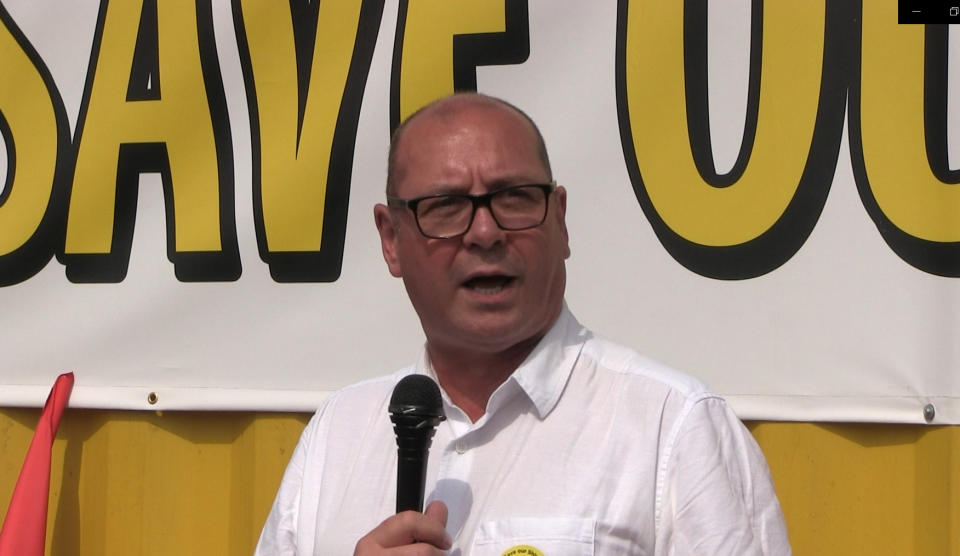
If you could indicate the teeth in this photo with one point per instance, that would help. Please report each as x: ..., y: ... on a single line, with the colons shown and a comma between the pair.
x: 487, y: 289
x: 488, y: 285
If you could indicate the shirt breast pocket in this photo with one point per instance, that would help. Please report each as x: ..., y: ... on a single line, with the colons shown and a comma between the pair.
x: 535, y: 536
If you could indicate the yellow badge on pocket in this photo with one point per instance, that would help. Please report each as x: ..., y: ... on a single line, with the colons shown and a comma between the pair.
x: 522, y: 550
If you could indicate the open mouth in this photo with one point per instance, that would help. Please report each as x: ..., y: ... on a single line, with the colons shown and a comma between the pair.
x: 488, y: 284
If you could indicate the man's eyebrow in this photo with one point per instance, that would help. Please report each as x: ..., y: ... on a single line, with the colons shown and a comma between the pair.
x: 493, y: 185
x: 448, y: 189
x: 519, y: 179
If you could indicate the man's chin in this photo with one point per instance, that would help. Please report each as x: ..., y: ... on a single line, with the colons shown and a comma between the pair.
x: 494, y: 331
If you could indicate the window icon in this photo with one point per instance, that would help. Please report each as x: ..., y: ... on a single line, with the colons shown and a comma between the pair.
x: 954, y: 11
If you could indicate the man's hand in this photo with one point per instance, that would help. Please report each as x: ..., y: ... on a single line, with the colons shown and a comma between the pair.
x: 409, y: 534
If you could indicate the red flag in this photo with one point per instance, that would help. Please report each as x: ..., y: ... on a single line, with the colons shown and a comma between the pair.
x: 24, y: 530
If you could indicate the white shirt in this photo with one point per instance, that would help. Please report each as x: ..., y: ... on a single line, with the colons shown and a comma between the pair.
x: 588, y: 448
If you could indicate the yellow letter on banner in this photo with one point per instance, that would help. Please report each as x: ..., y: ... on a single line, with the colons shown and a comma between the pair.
x: 749, y: 223
x: 34, y: 128
x: 439, y: 44
x: 153, y: 102
x: 306, y: 68
x: 898, y: 140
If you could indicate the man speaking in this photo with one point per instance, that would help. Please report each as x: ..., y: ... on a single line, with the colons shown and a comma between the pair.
x: 556, y: 441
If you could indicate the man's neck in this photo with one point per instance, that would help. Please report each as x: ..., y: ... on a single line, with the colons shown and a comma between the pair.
x: 469, y: 378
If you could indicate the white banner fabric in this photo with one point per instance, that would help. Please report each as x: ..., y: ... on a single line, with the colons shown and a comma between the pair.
x: 820, y: 284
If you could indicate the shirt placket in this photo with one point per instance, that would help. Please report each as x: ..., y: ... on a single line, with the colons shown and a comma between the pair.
x: 454, y: 468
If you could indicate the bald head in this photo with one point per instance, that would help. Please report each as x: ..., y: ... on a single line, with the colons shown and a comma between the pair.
x: 448, y: 108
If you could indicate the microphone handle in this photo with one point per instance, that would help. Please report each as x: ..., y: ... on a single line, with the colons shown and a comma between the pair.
x: 414, y: 436
x: 411, y: 479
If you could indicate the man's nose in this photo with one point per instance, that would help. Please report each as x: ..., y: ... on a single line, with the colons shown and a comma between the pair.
x: 484, y: 232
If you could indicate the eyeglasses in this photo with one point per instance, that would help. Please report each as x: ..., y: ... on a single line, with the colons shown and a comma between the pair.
x: 448, y: 215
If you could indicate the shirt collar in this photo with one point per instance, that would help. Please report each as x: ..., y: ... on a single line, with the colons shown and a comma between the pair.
x: 544, y: 373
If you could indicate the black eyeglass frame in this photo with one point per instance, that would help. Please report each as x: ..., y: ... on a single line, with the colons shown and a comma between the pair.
x: 482, y: 200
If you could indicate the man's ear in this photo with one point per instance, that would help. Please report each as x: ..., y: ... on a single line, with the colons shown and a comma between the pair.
x: 388, y: 238
x: 562, y: 219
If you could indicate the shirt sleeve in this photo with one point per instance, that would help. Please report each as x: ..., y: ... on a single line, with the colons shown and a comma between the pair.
x: 716, y: 495
x: 283, y: 532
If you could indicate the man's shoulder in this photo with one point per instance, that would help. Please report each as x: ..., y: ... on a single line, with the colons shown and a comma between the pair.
x: 360, y: 405
x: 371, y: 388
x: 612, y: 357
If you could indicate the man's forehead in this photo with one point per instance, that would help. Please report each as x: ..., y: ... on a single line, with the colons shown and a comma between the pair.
x: 444, y: 119
x: 460, y: 108
x: 463, y: 117
x: 440, y: 148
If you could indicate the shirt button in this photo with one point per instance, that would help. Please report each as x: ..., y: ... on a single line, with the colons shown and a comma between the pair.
x: 460, y: 448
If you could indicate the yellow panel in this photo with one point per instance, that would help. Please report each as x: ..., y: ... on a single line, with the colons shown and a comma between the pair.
x: 866, y: 488
x: 149, y: 484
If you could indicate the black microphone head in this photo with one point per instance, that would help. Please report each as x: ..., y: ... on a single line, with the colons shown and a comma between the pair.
x: 417, y: 395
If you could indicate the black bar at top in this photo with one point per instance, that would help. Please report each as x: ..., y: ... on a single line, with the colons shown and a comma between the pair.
x: 926, y: 11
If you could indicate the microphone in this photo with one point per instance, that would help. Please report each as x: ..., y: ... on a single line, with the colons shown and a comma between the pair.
x: 416, y: 409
